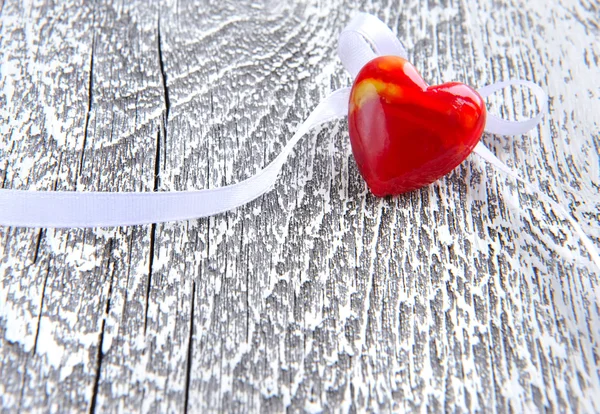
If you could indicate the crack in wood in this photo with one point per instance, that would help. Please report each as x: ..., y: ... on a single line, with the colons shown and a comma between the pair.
x: 150, y: 272
x: 100, y: 354
x: 39, y: 318
x: 58, y: 167
x: 129, y: 257
x: 157, y: 171
x: 5, y: 175
x: 247, y: 277
x: 157, y: 162
x: 37, y: 246
x: 163, y: 76
x: 89, y: 107
x: 152, y: 234
x: 188, y: 371
x: 35, y: 341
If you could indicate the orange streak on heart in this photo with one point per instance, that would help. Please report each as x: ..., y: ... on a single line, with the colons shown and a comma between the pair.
x: 375, y: 89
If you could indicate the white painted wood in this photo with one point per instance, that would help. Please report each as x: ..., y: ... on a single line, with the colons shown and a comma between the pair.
x: 469, y: 295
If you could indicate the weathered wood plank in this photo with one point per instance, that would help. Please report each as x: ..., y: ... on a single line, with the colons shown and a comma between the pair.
x: 469, y: 295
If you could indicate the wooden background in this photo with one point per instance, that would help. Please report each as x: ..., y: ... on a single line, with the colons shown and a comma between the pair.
x: 468, y: 295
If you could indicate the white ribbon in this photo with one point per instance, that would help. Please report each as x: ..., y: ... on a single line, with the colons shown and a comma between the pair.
x: 365, y: 38
x: 104, y: 209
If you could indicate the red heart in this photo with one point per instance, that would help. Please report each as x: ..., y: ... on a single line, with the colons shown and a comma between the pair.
x: 405, y: 134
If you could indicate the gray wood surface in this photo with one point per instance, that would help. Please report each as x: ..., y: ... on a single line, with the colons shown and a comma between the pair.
x: 468, y: 295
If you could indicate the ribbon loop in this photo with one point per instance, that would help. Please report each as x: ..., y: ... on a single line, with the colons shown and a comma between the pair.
x: 499, y: 126
x: 365, y: 38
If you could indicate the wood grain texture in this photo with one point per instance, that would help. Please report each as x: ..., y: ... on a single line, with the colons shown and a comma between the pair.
x: 468, y: 295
